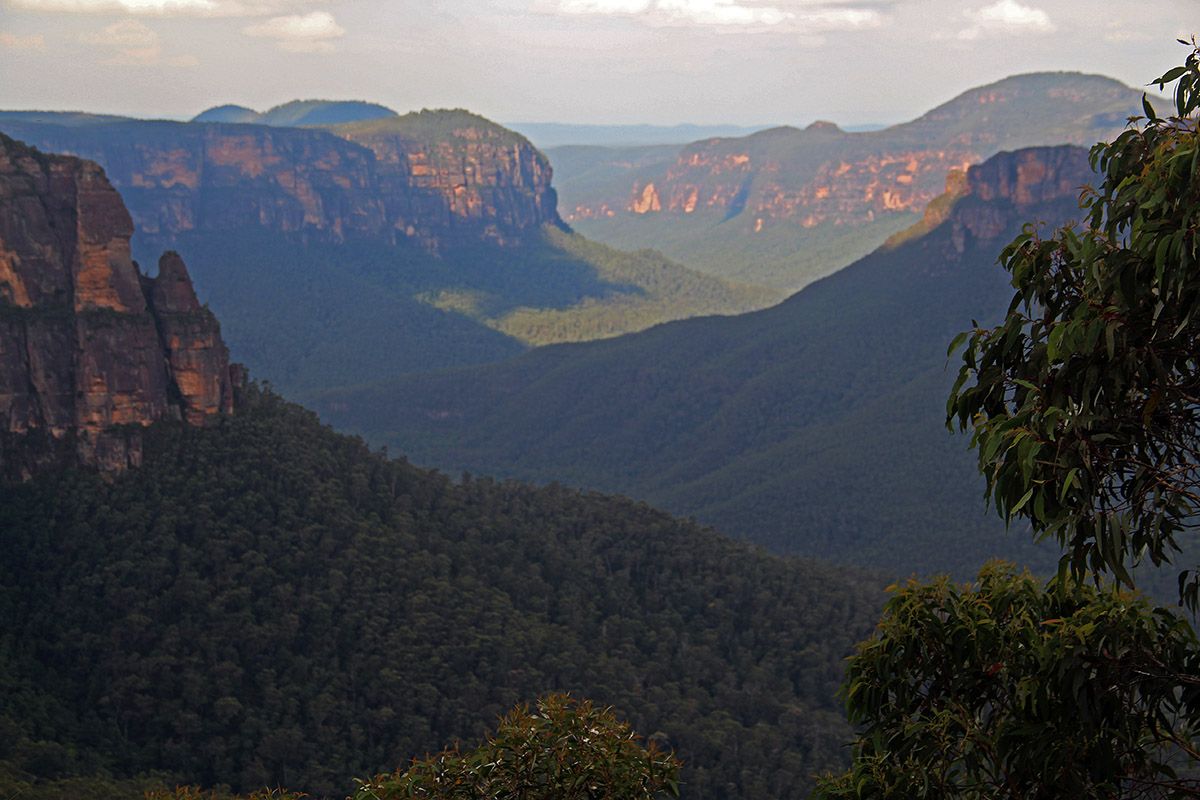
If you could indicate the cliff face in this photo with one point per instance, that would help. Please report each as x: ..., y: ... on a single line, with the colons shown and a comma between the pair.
x: 437, y: 178
x: 468, y: 179
x: 824, y: 176
x: 1009, y: 188
x: 831, y: 178
x: 990, y: 199
x: 90, y: 350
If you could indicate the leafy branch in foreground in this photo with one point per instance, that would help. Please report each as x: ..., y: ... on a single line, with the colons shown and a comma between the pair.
x: 1085, y: 409
x: 1085, y: 402
x: 563, y: 749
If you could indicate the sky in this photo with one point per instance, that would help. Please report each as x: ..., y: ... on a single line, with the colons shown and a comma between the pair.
x: 662, y: 62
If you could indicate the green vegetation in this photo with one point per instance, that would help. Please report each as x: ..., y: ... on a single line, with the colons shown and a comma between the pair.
x: 784, y: 256
x: 266, y: 603
x: 562, y: 750
x: 430, y: 126
x: 1006, y: 689
x: 653, y: 290
x: 1082, y: 408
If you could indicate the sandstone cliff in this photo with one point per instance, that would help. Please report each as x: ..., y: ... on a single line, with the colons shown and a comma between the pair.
x: 1009, y: 189
x: 989, y: 199
x: 823, y: 176
x: 438, y: 179
x: 90, y: 350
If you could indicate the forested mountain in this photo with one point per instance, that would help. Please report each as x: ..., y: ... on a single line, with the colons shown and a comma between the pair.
x: 336, y: 256
x: 785, y: 206
x: 813, y: 427
x: 265, y: 602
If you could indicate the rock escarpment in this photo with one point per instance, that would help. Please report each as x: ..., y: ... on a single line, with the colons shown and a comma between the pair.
x: 435, y: 178
x: 91, y: 351
x: 823, y: 176
x: 986, y: 200
x: 1010, y: 188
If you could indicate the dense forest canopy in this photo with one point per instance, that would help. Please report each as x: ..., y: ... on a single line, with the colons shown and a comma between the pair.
x: 268, y: 603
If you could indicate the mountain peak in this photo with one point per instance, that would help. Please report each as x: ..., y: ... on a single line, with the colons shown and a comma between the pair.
x: 823, y: 126
x: 1037, y: 95
x: 228, y: 113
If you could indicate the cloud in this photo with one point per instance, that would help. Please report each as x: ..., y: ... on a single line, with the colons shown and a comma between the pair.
x: 300, y: 33
x: 792, y: 14
x: 1006, y: 16
x: 132, y: 44
x: 160, y: 8
x: 11, y: 41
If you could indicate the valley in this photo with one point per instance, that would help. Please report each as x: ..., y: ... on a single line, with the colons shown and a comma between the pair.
x: 814, y: 427
x: 353, y: 451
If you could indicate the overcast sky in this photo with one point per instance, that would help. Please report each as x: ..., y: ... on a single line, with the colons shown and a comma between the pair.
x: 598, y: 61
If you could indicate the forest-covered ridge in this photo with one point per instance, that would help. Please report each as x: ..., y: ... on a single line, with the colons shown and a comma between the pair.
x: 267, y: 602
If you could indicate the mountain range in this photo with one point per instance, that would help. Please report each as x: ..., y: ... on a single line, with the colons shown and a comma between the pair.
x: 415, y: 241
x: 786, y: 206
x: 299, y: 113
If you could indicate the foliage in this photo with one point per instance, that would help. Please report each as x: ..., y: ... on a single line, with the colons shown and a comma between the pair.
x: 648, y: 289
x: 1083, y: 402
x: 1081, y: 407
x: 563, y: 749
x: 266, y: 602
x: 1006, y: 690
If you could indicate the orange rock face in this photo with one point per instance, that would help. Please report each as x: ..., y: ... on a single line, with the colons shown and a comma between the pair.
x: 474, y: 182
x: 90, y: 350
x: 990, y: 198
x: 839, y: 191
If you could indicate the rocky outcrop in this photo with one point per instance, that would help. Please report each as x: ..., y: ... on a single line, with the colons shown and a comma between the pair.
x: 451, y: 176
x: 91, y: 350
x: 438, y: 179
x: 990, y: 199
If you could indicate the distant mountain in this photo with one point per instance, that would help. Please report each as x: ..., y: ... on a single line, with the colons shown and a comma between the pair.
x: 785, y: 206
x: 558, y: 134
x: 417, y: 242
x: 299, y: 113
x: 814, y: 427
x: 229, y: 113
